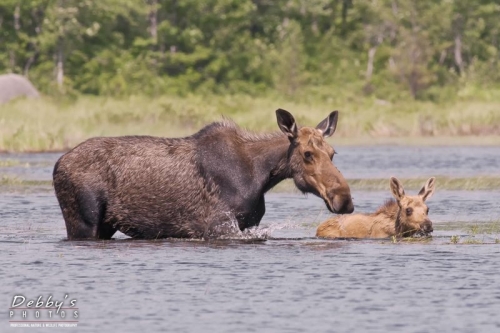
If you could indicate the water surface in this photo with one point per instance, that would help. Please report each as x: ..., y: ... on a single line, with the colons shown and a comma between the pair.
x: 353, y: 162
x: 291, y: 282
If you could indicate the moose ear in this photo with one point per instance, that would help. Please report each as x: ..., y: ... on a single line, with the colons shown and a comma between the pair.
x: 329, y: 124
x: 286, y: 123
x: 397, y: 189
x: 428, y: 190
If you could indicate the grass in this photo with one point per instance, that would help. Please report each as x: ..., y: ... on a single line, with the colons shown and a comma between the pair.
x: 472, y: 228
x: 472, y: 241
x: 468, y: 183
x: 477, y: 232
x: 415, y: 240
x: 49, y: 124
x: 8, y: 163
x: 380, y: 184
x: 15, y: 181
x: 489, y: 228
x: 287, y: 186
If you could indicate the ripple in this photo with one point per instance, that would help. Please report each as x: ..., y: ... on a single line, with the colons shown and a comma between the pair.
x: 277, y: 277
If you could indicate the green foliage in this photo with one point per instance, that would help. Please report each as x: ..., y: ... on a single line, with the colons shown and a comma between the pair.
x: 392, y: 50
x: 55, y: 123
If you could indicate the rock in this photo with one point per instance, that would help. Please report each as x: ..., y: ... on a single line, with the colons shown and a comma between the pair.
x: 14, y: 85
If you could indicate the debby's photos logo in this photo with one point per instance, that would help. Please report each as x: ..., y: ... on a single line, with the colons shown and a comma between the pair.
x: 43, y: 311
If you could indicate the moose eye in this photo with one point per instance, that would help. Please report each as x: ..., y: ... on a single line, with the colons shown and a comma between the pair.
x: 409, y: 211
x: 307, y: 155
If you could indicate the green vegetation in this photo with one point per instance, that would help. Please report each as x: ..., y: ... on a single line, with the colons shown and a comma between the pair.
x: 488, y: 228
x: 470, y: 183
x: 473, y: 183
x: 445, y: 183
x: 12, y: 184
x: 49, y: 124
x: 428, y: 50
x: 15, y: 181
x: 399, y: 71
x: 471, y: 227
x: 9, y: 163
x: 481, y: 232
x: 473, y: 241
x: 424, y: 239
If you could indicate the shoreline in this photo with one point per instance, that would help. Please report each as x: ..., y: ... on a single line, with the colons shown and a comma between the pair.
x: 475, y: 183
x: 423, y: 141
x: 366, y: 141
x: 46, y: 125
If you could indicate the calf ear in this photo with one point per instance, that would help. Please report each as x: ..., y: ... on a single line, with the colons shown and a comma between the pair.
x: 329, y: 124
x: 397, y: 189
x: 428, y: 190
x: 286, y: 123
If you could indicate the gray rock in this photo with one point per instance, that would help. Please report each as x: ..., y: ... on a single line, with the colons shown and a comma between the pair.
x: 14, y: 85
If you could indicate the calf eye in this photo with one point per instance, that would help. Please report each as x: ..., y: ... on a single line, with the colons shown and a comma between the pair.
x: 409, y: 211
x: 308, y: 155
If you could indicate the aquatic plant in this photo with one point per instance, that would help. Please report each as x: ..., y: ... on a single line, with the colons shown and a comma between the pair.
x: 473, y: 229
x: 449, y: 183
x: 8, y: 163
x: 472, y: 241
x: 16, y: 181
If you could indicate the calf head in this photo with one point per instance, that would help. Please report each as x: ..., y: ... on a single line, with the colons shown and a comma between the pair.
x: 413, y: 216
x: 310, y: 161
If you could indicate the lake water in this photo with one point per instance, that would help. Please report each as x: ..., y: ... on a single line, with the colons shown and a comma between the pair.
x: 291, y: 282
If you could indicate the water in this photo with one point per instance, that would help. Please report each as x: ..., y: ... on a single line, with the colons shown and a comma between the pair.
x: 402, y: 161
x: 291, y: 282
x: 353, y: 162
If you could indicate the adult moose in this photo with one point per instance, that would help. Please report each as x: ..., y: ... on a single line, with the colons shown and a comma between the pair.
x: 206, y: 185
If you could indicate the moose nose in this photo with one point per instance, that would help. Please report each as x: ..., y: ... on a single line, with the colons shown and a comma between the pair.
x: 343, y: 204
x: 427, y: 227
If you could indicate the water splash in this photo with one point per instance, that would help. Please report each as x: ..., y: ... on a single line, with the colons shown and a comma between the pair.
x: 231, y: 231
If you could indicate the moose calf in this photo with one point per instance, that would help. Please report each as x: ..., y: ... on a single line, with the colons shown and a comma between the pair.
x: 403, y: 217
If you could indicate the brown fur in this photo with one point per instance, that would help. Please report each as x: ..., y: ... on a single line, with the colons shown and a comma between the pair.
x: 391, y: 219
x: 207, y: 185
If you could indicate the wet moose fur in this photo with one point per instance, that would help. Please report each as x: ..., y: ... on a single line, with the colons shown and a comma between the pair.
x: 403, y: 217
x: 206, y: 185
